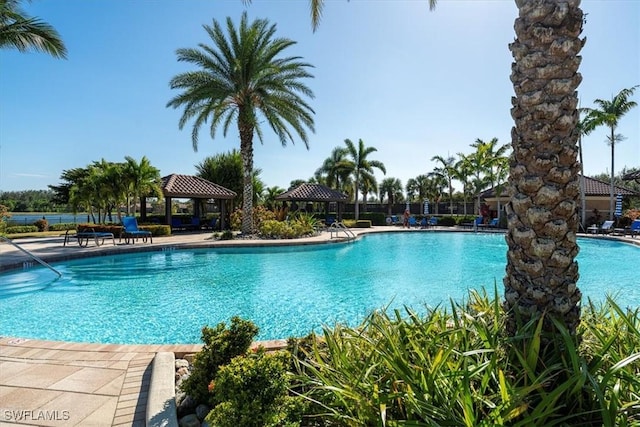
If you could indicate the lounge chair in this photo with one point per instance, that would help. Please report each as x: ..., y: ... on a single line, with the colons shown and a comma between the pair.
x: 634, y: 229
x: 131, y: 231
x: 211, y: 224
x: 176, y: 224
x: 195, y: 223
x: 606, y: 227
x: 424, y: 223
x: 433, y: 221
x: 83, y: 237
x: 412, y: 222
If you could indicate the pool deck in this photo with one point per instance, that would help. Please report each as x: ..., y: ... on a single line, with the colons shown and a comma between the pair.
x: 53, y: 383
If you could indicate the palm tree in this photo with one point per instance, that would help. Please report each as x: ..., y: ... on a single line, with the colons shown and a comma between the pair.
x: 270, y: 196
x: 541, y: 273
x: 391, y: 188
x: 543, y: 169
x: 447, y: 171
x: 23, y: 32
x: 584, y: 127
x: 240, y: 79
x: 335, y: 167
x: 143, y: 180
x: 462, y: 172
x: 609, y: 114
x: 368, y: 184
x: 360, y: 166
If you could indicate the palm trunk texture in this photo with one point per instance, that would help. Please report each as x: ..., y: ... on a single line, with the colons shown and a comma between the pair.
x: 246, y: 152
x: 541, y: 273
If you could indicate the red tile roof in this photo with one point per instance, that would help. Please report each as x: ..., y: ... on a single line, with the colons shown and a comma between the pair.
x: 313, y: 193
x: 193, y: 187
x: 592, y: 187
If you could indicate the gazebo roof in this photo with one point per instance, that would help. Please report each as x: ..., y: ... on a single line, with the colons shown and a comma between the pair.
x: 592, y: 187
x: 193, y: 187
x: 312, y: 193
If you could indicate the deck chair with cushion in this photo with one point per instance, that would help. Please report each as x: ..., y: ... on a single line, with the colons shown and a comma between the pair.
x: 606, y: 227
x: 132, y: 232
x: 634, y: 229
x: 413, y: 222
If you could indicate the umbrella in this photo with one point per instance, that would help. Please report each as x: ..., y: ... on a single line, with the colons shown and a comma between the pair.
x: 426, y: 207
x: 618, y: 211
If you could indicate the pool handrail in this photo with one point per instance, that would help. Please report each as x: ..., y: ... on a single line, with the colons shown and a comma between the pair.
x: 339, y: 226
x: 40, y: 261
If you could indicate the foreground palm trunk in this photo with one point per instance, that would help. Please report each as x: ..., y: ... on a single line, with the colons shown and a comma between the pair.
x: 541, y: 274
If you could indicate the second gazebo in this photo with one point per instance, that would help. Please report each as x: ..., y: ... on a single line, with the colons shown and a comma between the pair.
x: 315, y: 193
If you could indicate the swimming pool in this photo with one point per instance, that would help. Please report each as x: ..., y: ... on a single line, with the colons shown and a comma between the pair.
x: 166, y: 297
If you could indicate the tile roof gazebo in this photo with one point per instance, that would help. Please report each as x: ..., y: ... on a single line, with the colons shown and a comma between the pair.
x: 193, y: 187
x: 307, y: 192
x: 597, y: 194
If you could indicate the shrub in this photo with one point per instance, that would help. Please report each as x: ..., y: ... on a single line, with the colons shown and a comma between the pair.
x: 458, y: 367
x: 446, y: 221
x: 260, y: 214
x: 63, y: 226
x: 253, y: 392
x: 42, y: 224
x: 226, y: 235
x: 220, y: 346
x: 363, y: 223
x: 299, y: 226
x: 20, y: 229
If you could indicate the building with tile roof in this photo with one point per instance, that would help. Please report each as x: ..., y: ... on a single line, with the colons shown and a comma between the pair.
x: 315, y: 193
x: 597, y: 194
x: 177, y: 186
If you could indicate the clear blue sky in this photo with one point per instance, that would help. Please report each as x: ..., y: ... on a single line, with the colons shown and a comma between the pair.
x: 410, y: 82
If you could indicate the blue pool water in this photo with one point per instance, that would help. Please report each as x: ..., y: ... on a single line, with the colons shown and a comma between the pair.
x: 166, y: 297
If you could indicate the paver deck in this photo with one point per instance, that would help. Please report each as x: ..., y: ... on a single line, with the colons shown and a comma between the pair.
x: 52, y: 383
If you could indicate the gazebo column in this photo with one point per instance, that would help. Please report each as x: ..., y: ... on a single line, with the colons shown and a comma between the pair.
x: 167, y: 209
x: 222, y: 214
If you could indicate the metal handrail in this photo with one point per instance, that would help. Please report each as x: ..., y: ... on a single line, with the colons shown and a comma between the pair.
x: 40, y: 261
x: 337, y: 226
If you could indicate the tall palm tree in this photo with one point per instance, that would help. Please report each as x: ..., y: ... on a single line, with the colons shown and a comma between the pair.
x: 368, y: 184
x: 360, y: 165
x: 242, y: 79
x: 463, y: 172
x: 584, y: 127
x: 542, y: 274
x: 609, y: 114
x: 23, y: 32
x: 446, y: 170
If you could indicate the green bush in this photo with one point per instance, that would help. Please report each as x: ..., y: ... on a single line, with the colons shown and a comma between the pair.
x: 260, y: 214
x: 226, y: 235
x: 42, y: 224
x: 299, y: 226
x: 253, y: 392
x: 459, y: 368
x: 220, y: 346
x: 19, y: 229
x: 446, y: 221
x: 376, y: 218
x: 64, y: 226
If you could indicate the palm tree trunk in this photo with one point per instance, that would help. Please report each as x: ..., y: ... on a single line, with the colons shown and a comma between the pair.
x: 542, y: 274
x: 611, y: 205
x: 583, y: 199
x: 246, y: 152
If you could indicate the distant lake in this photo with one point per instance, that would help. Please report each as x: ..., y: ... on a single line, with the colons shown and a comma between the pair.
x: 20, y: 218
